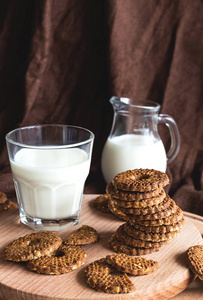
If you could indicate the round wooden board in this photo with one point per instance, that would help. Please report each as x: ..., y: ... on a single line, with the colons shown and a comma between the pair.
x: 17, y: 282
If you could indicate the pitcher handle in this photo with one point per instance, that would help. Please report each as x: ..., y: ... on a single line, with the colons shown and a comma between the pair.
x: 174, y: 133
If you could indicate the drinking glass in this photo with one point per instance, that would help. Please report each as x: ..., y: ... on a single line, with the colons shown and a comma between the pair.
x: 50, y: 164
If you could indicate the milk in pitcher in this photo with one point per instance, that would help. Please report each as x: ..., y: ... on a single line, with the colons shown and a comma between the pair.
x: 131, y: 151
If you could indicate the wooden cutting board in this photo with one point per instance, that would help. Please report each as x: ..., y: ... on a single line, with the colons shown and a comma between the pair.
x: 17, y: 282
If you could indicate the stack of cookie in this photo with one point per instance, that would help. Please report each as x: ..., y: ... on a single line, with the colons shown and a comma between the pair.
x: 152, y: 217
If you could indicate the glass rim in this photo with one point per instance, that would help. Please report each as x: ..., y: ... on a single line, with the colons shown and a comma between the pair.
x: 24, y: 145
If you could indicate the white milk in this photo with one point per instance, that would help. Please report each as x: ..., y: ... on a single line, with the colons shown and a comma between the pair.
x: 50, y: 182
x: 130, y: 151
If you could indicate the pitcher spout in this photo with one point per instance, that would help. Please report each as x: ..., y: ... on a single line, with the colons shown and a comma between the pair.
x: 128, y: 104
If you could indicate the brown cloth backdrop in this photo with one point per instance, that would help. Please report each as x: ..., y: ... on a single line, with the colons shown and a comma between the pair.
x: 62, y: 60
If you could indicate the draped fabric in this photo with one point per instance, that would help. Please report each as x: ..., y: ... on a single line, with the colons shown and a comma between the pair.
x: 62, y: 60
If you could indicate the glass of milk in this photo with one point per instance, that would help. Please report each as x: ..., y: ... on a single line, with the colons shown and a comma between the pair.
x: 50, y: 164
x: 134, y: 140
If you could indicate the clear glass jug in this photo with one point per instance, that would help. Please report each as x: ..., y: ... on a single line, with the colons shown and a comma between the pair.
x: 134, y: 141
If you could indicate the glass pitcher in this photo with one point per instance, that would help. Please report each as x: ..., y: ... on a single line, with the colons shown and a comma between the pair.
x: 134, y: 141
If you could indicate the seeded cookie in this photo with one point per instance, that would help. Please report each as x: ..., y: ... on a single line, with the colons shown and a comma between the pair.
x: 101, y: 203
x: 148, y: 236
x: 174, y: 217
x: 140, y: 180
x: 146, y: 210
x: 98, y: 277
x: 144, y: 203
x: 134, y: 242
x: 111, y: 284
x: 120, y: 247
x: 195, y: 260
x: 98, y: 266
x: 135, y: 196
x: 158, y: 229
x: 121, y: 213
x: 32, y: 246
x: 118, y: 213
x: 82, y: 236
x: 66, y: 259
x: 158, y: 214
x: 5, y: 204
x: 132, y: 265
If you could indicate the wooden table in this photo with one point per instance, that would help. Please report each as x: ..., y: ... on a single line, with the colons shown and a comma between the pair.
x: 195, y: 290
x: 173, y: 279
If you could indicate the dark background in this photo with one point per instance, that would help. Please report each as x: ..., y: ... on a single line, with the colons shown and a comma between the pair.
x: 62, y: 60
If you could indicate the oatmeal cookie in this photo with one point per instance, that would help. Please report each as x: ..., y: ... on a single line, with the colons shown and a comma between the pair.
x: 101, y: 203
x: 98, y: 266
x: 65, y: 259
x: 195, y: 260
x: 82, y: 236
x: 122, y: 236
x: 174, y: 217
x: 158, y: 229
x: 144, y: 203
x: 140, y: 180
x: 32, y: 246
x: 146, y: 210
x: 118, y: 213
x: 122, y: 213
x: 136, y: 196
x: 5, y: 203
x: 132, y: 265
x: 120, y: 247
x: 98, y: 277
x: 148, y: 236
x: 165, y: 212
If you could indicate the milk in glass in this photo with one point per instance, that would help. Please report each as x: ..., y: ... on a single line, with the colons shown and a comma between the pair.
x: 131, y: 151
x: 50, y: 182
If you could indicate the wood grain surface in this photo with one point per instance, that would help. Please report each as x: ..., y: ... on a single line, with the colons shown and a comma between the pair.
x: 172, y: 277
